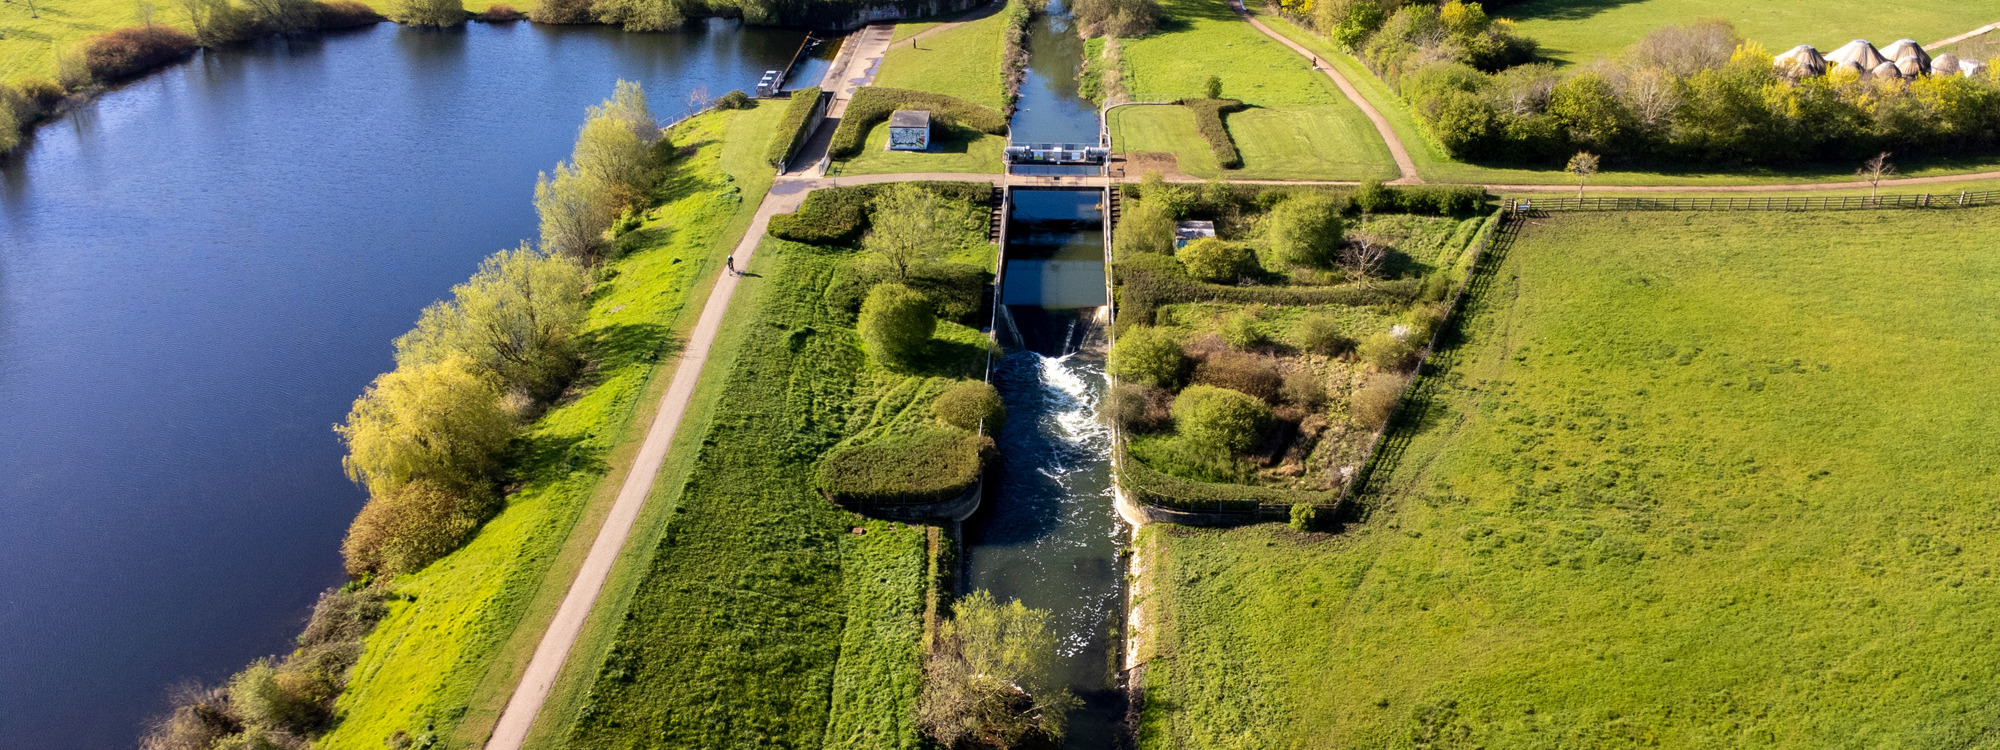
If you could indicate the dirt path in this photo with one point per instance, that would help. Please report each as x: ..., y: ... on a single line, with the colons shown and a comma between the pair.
x: 533, y: 689
x: 1396, y: 149
x: 1962, y: 37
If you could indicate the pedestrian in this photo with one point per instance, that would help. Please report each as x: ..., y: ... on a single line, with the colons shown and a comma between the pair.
x: 732, y: 265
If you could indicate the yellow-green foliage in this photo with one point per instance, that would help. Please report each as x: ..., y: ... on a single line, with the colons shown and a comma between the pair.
x: 1690, y: 480
x: 438, y: 421
x: 430, y: 658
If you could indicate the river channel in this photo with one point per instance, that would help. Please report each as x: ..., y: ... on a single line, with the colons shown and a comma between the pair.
x: 198, y: 273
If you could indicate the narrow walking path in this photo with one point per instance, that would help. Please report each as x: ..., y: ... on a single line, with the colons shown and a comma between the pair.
x: 533, y: 689
x: 1962, y: 37
x: 1396, y: 149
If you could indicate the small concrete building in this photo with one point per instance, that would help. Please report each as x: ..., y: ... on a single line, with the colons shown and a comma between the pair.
x: 1189, y: 231
x: 909, y: 130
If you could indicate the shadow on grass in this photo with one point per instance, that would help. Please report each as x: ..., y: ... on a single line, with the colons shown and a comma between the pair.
x: 1559, y: 10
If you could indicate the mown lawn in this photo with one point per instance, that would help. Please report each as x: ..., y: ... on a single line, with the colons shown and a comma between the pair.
x: 1686, y: 480
x: 963, y: 61
x: 446, y: 660
x: 1299, y: 124
x: 955, y: 150
x: 1578, y: 31
x: 1435, y: 166
x: 760, y: 618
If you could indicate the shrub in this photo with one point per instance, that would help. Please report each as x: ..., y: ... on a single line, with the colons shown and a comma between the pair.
x: 270, y: 696
x: 1242, y: 372
x: 1306, y: 230
x: 562, y: 12
x: 1220, y: 418
x: 117, y: 55
x: 1148, y: 356
x: 1208, y: 120
x: 347, y: 14
x: 344, y: 615
x: 41, y: 92
x: 838, y: 215
x: 199, y: 718
x: 1437, y: 286
x: 792, y: 130
x: 1305, y: 517
x: 1215, y: 261
x: 1117, y: 18
x: 954, y: 289
x: 1172, y: 200
x: 1137, y: 408
x: 501, y: 13
x: 1146, y: 228
x: 440, y: 421
x: 1240, y: 330
x: 1302, y: 388
x: 1147, y: 281
x: 1320, y: 333
x: 1150, y: 486
x: 873, y: 104
x: 408, y: 527
x: 927, y: 465
x: 1386, y: 351
x: 1422, y: 322
x: 429, y: 12
x: 518, y: 320
x: 1373, y: 197
x: 1372, y: 405
x: 896, y: 325
x: 971, y: 406
x: 735, y: 99
x: 1442, y: 200
x: 1212, y: 88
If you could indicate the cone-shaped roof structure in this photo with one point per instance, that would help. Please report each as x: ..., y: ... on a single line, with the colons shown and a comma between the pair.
x: 1908, y: 48
x: 1858, y: 54
x: 1802, y: 60
x: 1945, y: 64
x: 1886, y: 70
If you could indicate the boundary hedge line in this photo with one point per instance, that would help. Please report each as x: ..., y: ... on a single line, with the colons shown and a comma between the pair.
x: 1208, y: 119
x: 1151, y: 487
x: 928, y: 465
x: 791, y: 131
x: 838, y: 215
x: 873, y: 104
x: 1146, y: 281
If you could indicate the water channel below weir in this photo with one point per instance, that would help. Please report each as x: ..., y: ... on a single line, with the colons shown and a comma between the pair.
x: 1048, y: 533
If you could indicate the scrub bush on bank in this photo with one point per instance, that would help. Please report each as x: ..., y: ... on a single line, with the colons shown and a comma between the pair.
x: 835, y: 216
x: 930, y: 464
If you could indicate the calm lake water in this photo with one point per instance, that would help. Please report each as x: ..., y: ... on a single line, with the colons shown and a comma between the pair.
x: 198, y: 274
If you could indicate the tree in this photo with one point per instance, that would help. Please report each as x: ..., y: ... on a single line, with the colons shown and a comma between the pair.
x: 1215, y: 261
x: 1220, y: 419
x: 1148, y: 356
x: 428, y: 12
x: 517, y: 320
x: 409, y: 528
x: 1306, y: 230
x: 1589, y: 110
x: 971, y: 405
x: 1874, y: 170
x: 285, y: 16
x: 439, y: 421
x: 990, y: 680
x: 905, y: 228
x: 640, y: 15
x: 575, y: 211
x: 1364, y: 256
x: 896, y: 325
x: 1583, y: 165
x: 1146, y: 229
x: 1212, y: 88
x: 609, y: 151
x: 145, y: 11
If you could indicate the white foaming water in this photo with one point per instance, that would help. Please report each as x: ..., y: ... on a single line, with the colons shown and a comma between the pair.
x: 1079, y: 423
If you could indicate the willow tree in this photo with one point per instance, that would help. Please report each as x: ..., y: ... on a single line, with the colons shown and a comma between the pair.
x: 990, y: 681
x: 575, y: 209
x: 907, y: 228
x: 428, y: 12
x: 517, y: 320
x: 439, y: 421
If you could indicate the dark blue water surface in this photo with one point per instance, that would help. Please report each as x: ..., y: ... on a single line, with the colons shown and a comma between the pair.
x: 198, y: 273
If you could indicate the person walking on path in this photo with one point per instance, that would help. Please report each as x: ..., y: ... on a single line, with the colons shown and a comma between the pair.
x: 731, y: 263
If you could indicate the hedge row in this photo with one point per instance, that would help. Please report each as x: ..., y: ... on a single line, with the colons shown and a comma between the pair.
x: 1208, y: 119
x: 838, y: 215
x: 1150, y: 487
x: 1147, y: 281
x: 792, y: 131
x: 1445, y: 200
x: 873, y: 104
x: 929, y: 465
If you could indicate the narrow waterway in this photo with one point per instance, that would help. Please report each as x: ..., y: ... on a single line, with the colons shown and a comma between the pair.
x: 1049, y: 534
x: 198, y: 273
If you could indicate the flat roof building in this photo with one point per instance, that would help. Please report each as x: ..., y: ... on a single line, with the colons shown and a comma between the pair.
x: 909, y: 130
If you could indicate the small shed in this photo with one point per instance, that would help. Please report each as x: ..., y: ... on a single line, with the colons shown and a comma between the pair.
x: 1189, y: 231
x: 909, y: 130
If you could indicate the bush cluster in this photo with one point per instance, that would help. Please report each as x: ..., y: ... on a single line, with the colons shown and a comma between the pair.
x: 873, y: 104
x: 1146, y: 282
x: 954, y: 289
x: 1219, y: 418
x: 1372, y: 405
x: 1148, y: 356
x: 1217, y: 261
x: 1251, y: 374
x: 1441, y: 200
x: 1118, y: 18
x: 278, y: 703
x: 927, y: 465
x: 896, y: 326
x: 22, y: 104
x: 122, y: 54
x: 838, y: 216
x: 1306, y: 229
x: 1155, y: 488
x: 971, y: 405
x: 792, y: 131
x: 1208, y: 120
x: 616, y: 162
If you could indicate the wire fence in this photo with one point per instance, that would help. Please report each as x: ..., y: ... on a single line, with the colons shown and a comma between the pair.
x: 1962, y: 199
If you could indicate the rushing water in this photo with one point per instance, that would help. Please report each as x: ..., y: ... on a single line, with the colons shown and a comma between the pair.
x: 197, y: 274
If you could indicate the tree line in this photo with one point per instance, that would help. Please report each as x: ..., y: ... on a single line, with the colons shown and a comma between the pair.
x: 1693, y: 92
x: 431, y: 439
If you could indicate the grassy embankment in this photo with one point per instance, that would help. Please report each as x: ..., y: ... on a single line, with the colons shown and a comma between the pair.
x: 747, y: 611
x: 1434, y: 166
x: 1685, y: 481
x: 450, y: 658
x: 965, y: 61
x: 1299, y: 126
x: 1578, y: 31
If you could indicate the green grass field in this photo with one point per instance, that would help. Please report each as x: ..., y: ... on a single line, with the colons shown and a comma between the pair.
x: 952, y: 150
x: 1435, y: 166
x: 1300, y: 126
x: 1686, y: 480
x: 963, y: 61
x: 1579, y: 31
x: 448, y: 660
